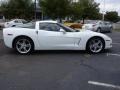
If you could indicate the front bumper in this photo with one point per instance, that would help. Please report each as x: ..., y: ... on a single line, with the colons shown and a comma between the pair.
x: 108, y: 44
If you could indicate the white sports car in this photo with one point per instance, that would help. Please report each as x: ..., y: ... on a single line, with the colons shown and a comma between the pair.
x: 50, y: 35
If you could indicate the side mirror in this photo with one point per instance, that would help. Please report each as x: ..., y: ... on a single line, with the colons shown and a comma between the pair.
x: 63, y: 31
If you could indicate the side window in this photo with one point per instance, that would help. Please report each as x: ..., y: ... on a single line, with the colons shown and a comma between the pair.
x: 67, y: 29
x: 19, y: 21
x: 24, y: 21
x: 16, y: 21
x: 49, y: 27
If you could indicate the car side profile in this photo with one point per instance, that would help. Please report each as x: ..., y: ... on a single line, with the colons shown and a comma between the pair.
x: 98, y: 26
x: 50, y: 35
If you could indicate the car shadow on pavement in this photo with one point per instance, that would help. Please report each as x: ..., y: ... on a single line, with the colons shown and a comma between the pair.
x: 59, y: 52
x: 71, y: 52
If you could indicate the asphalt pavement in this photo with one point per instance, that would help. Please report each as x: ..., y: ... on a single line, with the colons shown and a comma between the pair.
x: 61, y: 70
x: 1, y: 36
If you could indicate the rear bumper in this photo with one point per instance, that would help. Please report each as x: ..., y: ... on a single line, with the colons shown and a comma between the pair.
x: 8, y: 41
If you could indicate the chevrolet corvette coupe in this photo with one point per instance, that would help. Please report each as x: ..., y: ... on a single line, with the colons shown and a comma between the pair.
x: 50, y: 35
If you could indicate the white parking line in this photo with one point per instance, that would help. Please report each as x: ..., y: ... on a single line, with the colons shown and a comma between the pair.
x: 111, y: 54
x: 104, y: 85
x: 115, y: 43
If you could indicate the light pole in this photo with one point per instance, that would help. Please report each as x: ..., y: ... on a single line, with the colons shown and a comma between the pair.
x: 35, y: 10
x: 104, y: 11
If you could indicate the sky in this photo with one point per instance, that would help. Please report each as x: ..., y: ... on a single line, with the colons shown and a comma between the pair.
x: 110, y: 5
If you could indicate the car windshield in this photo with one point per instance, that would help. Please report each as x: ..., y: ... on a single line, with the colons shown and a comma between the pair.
x: 67, y: 29
x: 24, y: 21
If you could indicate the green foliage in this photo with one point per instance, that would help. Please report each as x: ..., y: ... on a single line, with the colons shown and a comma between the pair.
x: 77, y: 10
x: 18, y: 9
x: 112, y: 16
x: 55, y: 8
x: 86, y: 9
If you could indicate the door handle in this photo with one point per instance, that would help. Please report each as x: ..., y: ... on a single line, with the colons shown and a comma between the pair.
x: 36, y: 32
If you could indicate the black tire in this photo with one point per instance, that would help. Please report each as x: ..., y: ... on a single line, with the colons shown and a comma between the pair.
x: 28, y: 41
x: 102, y: 43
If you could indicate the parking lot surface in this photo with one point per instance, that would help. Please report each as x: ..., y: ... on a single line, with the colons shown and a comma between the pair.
x: 61, y: 70
x: 1, y: 36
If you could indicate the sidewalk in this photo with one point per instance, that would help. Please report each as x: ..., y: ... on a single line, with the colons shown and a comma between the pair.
x: 1, y: 35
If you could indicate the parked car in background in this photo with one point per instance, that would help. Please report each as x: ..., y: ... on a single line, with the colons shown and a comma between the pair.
x: 98, y: 26
x: 50, y: 35
x: 2, y: 21
x: 15, y: 23
x: 74, y: 25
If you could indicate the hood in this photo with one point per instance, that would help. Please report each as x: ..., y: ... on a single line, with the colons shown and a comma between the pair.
x: 89, y: 34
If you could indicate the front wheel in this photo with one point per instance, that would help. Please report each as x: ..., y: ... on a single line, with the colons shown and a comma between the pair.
x: 23, y: 45
x: 95, y: 45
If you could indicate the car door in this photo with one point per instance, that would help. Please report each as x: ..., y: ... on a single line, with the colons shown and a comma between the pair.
x: 51, y: 37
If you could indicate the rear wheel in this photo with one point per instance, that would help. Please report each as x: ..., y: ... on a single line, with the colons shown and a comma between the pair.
x: 95, y: 45
x: 23, y: 45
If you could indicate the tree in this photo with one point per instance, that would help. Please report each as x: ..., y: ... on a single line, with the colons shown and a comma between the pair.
x: 86, y: 9
x: 17, y: 9
x: 55, y: 9
x: 112, y: 16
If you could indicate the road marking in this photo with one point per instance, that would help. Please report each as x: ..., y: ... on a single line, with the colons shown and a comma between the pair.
x: 111, y: 54
x: 104, y: 84
x: 115, y: 43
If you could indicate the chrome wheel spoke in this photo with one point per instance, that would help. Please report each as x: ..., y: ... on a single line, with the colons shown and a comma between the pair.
x: 28, y: 45
x: 21, y: 48
x: 19, y: 43
x: 99, y: 42
x: 95, y: 48
x: 25, y: 49
x: 24, y: 41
